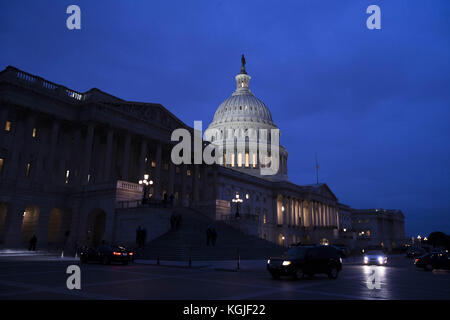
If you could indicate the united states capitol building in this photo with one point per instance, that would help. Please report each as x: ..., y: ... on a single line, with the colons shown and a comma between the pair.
x: 70, y: 163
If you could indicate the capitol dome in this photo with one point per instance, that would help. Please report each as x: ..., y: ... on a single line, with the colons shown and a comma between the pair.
x: 242, y: 106
x: 241, y: 123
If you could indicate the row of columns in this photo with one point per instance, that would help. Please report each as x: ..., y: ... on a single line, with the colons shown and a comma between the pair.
x: 307, y: 213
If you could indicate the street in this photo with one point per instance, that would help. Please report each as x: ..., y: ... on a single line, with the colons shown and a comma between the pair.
x: 44, y: 277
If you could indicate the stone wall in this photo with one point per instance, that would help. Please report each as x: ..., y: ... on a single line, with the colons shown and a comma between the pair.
x: 155, y: 220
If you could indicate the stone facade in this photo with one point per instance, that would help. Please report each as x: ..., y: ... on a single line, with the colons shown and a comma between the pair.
x: 379, y: 228
x: 70, y: 163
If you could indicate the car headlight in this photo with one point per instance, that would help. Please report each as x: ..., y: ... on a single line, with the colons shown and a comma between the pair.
x: 366, y: 259
x: 380, y: 259
x: 286, y: 263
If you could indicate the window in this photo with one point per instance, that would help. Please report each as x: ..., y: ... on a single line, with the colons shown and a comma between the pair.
x: 2, y: 163
x: 27, y: 174
x: 34, y: 133
x: 8, y: 126
x: 264, y: 218
x: 188, y: 172
x: 166, y: 166
x: 232, y: 159
x: 177, y: 170
x: 247, y: 159
x: 254, y: 160
x: 153, y: 164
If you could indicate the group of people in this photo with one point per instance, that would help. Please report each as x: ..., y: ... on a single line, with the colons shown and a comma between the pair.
x: 141, y: 236
x: 211, y: 236
x: 175, y: 220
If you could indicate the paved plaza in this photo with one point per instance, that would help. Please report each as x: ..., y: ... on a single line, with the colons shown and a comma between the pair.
x: 44, y: 277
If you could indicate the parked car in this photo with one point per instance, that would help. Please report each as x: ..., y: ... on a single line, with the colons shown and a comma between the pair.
x: 375, y: 257
x: 431, y: 261
x: 415, y: 252
x: 106, y: 254
x: 306, y: 260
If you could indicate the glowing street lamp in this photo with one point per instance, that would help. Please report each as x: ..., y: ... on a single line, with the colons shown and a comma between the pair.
x: 145, y: 183
x: 237, y: 200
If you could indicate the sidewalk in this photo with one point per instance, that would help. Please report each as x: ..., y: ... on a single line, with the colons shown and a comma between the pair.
x: 229, y: 265
x: 223, y: 265
x: 37, y: 254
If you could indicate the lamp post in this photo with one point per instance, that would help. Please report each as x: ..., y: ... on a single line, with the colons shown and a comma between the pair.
x: 237, y: 200
x: 145, y: 183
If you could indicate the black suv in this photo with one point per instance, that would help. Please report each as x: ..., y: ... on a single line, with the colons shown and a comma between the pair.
x: 306, y: 260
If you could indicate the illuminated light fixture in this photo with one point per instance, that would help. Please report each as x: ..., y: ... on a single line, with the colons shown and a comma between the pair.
x: 282, y: 208
x: 247, y: 196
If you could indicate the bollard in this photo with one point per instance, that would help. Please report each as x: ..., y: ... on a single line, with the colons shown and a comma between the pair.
x: 238, y: 260
x: 190, y: 257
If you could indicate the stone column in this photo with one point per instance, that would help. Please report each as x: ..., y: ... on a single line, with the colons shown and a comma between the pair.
x: 286, y: 211
x: 13, y: 225
x: 183, y: 184
x: 106, y: 175
x: 195, y: 170
x: 126, y: 156
x: 86, y: 166
x: 27, y: 144
x: 317, y: 213
x: 13, y: 162
x: 142, y: 156
x: 170, y: 189
x: 75, y: 157
x: 158, y: 182
x: 3, y: 119
x: 53, y: 149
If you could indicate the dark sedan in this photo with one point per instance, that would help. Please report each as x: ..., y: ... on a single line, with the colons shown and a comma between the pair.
x: 431, y: 261
x: 306, y: 260
x: 106, y: 254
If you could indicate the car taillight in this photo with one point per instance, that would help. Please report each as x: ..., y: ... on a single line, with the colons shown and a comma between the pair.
x: 416, y: 260
x: 131, y: 253
x: 116, y: 253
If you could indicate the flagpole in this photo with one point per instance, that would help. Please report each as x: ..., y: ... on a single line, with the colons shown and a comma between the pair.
x: 317, y: 171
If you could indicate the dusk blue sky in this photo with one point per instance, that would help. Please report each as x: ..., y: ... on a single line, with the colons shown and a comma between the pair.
x: 373, y: 104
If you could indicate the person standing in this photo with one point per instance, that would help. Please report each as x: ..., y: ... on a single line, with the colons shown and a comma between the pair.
x: 213, y: 236
x: 33, y: 242
x: 144, y: 237
x: 208, y: 235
